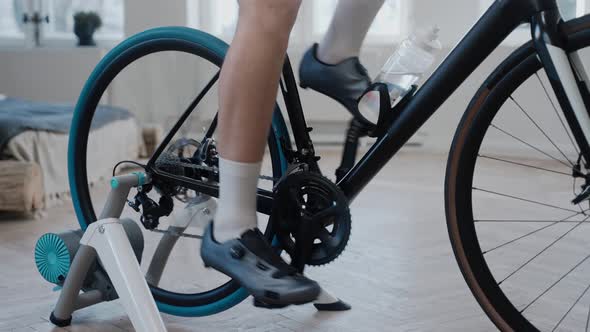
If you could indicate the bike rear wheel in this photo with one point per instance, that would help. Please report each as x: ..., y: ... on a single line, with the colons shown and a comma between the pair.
x: 174, y: 44
x: 519, y: 241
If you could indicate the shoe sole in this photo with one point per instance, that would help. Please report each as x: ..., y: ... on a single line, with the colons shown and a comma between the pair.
x: 268, y: 302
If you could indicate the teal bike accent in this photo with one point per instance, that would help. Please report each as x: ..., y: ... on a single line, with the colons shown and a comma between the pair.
x: 208, y: 310
x: 114, y: 183
x: 209, y: 44
x: 52, y: 258
x: 140, y: 178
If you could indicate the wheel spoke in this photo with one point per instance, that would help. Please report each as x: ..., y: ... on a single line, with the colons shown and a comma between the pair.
x: 555, y: 283
x: 524, y: 165
x: 541, y: 130
x: 570, y: 308
x: 544, y: 250
x: 588, y: 319
x: 557, y: 114
x: 524, y: 199
x: 190, y: 236
x: 530, y: 145
x: 530, y: 233
x: 524, y: 221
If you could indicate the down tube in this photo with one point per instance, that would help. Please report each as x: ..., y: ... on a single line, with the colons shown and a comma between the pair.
x: 501, y: 19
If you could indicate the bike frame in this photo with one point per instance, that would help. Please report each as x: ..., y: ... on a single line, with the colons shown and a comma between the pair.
x: 487, y: 34
x: 564, y: 70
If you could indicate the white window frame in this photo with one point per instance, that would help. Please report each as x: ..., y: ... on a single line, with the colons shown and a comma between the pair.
x: 16, y: 40
x: 54, y: 40
x: 310, y: 33
x: 65, y: 39
x: 522, y: 34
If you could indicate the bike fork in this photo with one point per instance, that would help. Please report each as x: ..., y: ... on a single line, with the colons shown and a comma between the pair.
x: 566, y: 74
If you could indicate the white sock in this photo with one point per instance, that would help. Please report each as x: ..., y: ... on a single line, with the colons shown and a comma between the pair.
x: 348, y: 30
x: 236, y: 210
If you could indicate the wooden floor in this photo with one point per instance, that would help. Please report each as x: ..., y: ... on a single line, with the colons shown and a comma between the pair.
x: 398, y: 272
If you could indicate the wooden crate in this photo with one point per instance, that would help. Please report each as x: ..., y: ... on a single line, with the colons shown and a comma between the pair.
x: 21, y: 186
x: 152, y: 136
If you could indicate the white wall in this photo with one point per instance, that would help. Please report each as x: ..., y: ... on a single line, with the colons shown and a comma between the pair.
x: 46, y: 74
x: 158, y: 88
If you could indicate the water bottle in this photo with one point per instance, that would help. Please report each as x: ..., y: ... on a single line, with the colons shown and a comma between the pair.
x: 414, y: 57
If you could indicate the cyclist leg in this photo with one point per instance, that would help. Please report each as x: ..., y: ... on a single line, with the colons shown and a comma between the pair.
x: 248, y: 90
x: 247, y: 94
x: 333, y: 67
x: 347, y: 32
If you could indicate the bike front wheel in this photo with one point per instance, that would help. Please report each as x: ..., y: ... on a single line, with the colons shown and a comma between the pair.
x: 513, y: 171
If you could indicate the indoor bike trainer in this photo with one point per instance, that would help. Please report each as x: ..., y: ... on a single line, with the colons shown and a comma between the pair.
x: 102, y: 263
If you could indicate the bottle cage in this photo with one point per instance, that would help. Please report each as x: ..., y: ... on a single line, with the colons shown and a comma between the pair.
x: 387, y: 112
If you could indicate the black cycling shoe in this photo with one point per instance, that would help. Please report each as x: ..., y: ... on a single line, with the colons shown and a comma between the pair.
x: 252, y: 262
x: 344, y: 82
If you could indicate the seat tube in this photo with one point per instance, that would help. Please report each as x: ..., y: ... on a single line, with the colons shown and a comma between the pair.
x: 564, y: 75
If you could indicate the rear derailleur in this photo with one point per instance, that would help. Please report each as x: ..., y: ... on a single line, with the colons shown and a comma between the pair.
x: 151, y: 212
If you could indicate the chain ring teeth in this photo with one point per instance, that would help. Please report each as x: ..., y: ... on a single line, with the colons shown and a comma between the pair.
x: 289, y: 211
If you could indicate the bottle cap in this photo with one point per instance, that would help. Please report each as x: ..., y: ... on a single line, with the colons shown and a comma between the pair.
x: 430, y: 39
x: 433, y: 34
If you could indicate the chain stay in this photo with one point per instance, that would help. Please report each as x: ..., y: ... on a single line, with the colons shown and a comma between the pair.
x: 215, y: 170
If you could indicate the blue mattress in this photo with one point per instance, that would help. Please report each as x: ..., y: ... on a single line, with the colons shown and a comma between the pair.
x: 19, y: 115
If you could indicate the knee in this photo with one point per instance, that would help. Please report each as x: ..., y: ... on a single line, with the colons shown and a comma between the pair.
x: 275, y: 15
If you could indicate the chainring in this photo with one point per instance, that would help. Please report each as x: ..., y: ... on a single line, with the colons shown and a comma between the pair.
x: 305, y: 194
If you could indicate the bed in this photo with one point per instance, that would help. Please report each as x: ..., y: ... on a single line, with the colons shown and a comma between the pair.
x: 33, y: 132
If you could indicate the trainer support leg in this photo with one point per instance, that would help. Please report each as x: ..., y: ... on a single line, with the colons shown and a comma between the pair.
x: 112, y: 246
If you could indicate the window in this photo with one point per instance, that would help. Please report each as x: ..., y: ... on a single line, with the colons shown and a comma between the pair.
x: 61, y: 21
x: 11, y: 29
x: 219, y: 17
x: 61, y: 14
x: 224, y: 17
x: 569, y: 10
x: 387, y: 24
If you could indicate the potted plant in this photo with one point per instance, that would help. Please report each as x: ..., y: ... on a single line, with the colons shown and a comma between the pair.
x: 85, y: 24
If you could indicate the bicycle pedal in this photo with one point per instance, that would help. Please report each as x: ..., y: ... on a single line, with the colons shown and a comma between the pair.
x: 336, y: 306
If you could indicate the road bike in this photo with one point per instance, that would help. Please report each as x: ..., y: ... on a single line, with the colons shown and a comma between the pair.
x: 308, y: 214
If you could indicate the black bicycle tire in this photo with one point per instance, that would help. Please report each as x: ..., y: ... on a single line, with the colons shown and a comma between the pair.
x: 510, y: 75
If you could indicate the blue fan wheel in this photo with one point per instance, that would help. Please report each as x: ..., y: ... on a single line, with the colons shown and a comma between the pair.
x: 52, y: 258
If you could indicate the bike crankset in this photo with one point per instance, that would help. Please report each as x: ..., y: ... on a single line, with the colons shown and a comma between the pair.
x: 307, y: 198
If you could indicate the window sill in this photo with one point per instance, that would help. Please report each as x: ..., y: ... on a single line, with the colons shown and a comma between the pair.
x: 55, y: 47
